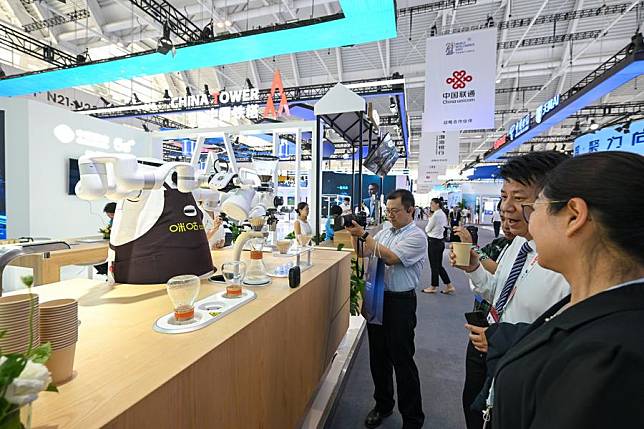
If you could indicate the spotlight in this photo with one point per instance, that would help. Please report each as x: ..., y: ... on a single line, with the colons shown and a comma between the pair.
x: 166, y: 95
x: 593, y: 125
x: 627, y: 127
x: 531, y: 148
x: 164, y: 44
x: 165, y: 123
x: 136, y: 98
x: 498, y: 80
x: 576, y: 130
x: 188, y: 93
x: 80, y: 59
x: 146, y: 128
x: 206, y: 90
x: 433, y: 30
x: 207, y: 32
x: 249, y: 84
x: 489, y: 22
x: 228, y: 23
x: 105, y: 102
x: 2, y: 73
x: 220, y: 24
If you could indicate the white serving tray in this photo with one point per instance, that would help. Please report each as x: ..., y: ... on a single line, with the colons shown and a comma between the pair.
x: 207, y: 311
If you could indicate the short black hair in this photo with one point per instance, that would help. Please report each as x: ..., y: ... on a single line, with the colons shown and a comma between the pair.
x: 406, y: 197
x: 336, y: 210
x: 375, y: 185
x: 532, y: 168
x: 109, y: 208
x: 612, y: 199
x: 347, y: 199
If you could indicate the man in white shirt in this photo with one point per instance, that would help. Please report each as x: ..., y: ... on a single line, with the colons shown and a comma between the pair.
x: 520, y: 289
x: 346, y: 206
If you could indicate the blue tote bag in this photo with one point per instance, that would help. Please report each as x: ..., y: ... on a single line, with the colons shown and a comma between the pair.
x: 374, y: 291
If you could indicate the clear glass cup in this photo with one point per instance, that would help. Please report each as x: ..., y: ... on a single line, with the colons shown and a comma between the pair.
x: 233, y: 273
x: 303, y: 240
x: 183, y: 291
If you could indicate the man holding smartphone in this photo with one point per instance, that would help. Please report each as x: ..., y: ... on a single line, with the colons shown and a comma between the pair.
x: 402, y: 246
x: 520, y: 290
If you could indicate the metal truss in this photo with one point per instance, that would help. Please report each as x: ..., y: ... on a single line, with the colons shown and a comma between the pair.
x: 549, y: 40
x: 164, y: 13
x: 518, y: 89
x: 293, y: 94
x: 163, y: 122
x: 55, y: 20
x: 436, y: 6
x: 28, y: 45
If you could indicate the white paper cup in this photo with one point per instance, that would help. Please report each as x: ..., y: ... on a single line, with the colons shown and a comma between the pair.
x: 462, y: 252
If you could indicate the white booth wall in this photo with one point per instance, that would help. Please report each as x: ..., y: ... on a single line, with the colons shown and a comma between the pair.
x: 37, y: 168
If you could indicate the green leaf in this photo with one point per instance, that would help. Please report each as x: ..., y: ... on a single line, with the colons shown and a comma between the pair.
x: 340, y: 246
x: 51, y: 388
x: 11, y: 368
x: 41, y: 353
x: 27, y: 280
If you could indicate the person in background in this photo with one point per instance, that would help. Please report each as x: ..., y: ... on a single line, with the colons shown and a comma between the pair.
x: 301, y: 225
x: 435, y: 231
x: 455, y: 216
x: 346, y: 206
x: 465, y: 215
x: 400, y: 245
x: 520, y: 289
x: 496, y: 220
x: 475, y: 365
x: 581, y: 363
x: 214, y: 227
x: 328, y: 227
x: 109, y: 210
x: 371, y: 202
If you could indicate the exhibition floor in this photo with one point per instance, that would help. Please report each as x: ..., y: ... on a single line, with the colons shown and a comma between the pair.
x: 440, y: 355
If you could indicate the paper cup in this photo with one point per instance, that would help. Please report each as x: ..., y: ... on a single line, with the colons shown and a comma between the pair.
x: 462, y: 252
x: 61, y: 364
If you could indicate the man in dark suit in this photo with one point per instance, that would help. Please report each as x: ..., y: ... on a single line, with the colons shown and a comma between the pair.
x: 372, y: 201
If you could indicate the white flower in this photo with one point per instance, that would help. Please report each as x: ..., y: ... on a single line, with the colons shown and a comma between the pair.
x: 33, y: 379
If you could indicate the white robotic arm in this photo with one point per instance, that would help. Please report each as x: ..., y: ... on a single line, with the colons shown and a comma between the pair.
x: 117, y: 176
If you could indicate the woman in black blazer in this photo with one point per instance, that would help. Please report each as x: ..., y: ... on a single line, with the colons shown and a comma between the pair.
x: 581, y: 364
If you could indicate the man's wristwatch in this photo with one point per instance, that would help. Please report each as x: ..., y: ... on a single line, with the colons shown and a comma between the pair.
x: 364, y: 236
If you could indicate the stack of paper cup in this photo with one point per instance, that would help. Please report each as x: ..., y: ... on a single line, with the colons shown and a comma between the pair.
x: 14, y: 320
x: 59, y: 326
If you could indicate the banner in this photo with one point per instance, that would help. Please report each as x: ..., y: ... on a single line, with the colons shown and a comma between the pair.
x: 629, y: 138
x: 426, y: 179
x: 437, y: 151
x: 460, y: 75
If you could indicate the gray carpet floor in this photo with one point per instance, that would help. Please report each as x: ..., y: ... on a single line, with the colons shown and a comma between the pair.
x: 441, y: 340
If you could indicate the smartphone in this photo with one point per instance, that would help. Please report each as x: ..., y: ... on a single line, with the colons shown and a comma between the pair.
x: 477, y: 318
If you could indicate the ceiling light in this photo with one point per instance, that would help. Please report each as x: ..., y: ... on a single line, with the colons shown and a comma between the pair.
x: 576, y: 130
x: 207, y: 32
x: 105, y: 101
x: 593, y: 125
x: 164, y: 44
x: 249, y: 84
x: 228, y: 23
x: 433, y: 30
x: 136, y: 97
x: 2, y: 73
x: 166, y: 95
x: 146, y: 128
x: 220, y: 24
x: 498, y: 80
x: 627, y: 127
x: 188, y: 93
x: 490, y: 21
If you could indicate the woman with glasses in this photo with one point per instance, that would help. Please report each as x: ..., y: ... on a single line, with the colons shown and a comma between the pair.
x: 435, y: 231
x: 581, y: 364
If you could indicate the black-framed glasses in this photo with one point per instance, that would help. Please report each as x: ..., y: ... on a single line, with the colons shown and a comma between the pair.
x: 528, y: 208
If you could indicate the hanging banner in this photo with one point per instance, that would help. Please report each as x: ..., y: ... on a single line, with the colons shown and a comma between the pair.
x: 437, y: 151
x: 627, y: 137
x: 460, y: 78
x: 426, y: 180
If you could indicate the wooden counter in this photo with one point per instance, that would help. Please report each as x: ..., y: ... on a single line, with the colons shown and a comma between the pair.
x: 47, y: 269
x: 257, y: 367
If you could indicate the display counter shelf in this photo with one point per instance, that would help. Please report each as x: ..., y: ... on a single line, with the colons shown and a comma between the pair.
x: 257, y: 367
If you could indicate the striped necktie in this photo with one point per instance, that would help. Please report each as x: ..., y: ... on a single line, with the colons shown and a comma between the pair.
x: 517, y: 267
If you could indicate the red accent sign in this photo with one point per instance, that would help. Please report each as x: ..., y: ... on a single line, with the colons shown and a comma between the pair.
x: 459, y: 79
x: 269, y: 110
x: 500, y: 141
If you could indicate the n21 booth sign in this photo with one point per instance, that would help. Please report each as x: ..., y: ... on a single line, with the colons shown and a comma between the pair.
x: 460, y: 81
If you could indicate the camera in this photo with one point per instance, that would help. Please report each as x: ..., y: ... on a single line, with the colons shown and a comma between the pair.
x: 451, y: 236
x: 342, y: 221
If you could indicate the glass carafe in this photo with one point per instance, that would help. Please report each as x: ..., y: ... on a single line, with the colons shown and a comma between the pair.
x: 256, y: 272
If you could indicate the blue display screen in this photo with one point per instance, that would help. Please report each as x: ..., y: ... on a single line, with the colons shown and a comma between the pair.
x: 613, y: 138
